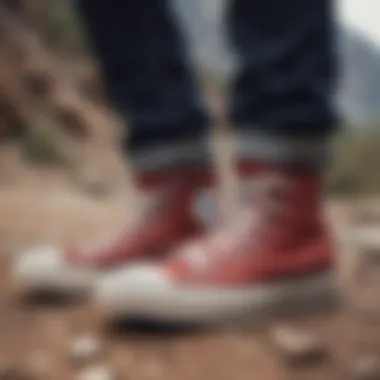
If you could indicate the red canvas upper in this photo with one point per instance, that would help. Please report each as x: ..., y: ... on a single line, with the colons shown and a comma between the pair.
x: 162, y: 222
x: 278, y: 232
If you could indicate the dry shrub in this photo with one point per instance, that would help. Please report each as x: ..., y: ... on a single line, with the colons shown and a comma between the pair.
x: 355, y: 168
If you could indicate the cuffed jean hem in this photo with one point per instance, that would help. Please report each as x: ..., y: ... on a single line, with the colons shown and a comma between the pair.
x: 298, y: 151
x: 171, y: 156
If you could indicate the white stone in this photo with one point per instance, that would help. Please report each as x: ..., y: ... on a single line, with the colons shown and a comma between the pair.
x: 85, y: 349
x: 366, y: 238
x: 98, y: 372
x: 298, y: 346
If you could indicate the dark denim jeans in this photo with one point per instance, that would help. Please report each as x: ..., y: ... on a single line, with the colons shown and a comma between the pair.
x: 283, y: 87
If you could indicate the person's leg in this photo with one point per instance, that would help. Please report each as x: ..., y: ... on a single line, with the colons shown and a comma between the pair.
x: 149, y: 80
x: 276, y: 249
x: 281, y: 102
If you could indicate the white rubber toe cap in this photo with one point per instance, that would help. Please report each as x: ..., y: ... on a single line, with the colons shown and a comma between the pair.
x: 131, y: 289
x: 44, y: 268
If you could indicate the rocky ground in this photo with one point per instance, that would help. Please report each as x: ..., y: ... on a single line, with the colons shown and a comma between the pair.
x: 49, y: 340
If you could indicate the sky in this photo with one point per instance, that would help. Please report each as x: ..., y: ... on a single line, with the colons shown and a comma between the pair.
x: 363, y: 16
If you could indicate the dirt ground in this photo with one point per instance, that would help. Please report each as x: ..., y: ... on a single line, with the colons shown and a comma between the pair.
x: 41, y: 205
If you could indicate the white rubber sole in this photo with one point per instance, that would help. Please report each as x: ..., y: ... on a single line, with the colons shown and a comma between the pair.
x: 169, y: 304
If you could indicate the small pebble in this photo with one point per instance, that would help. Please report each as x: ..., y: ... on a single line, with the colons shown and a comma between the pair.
x: 366, y: 368
x: 98, y: 372
x: 299, y: 347
x: 85, y: 349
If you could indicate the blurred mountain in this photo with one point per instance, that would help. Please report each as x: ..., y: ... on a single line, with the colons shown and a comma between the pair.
x: 359, y: 94
x: 359, y: 90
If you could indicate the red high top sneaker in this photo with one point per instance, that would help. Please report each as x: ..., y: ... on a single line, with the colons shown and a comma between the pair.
x: 163, y: 221
x: 275, y: 249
